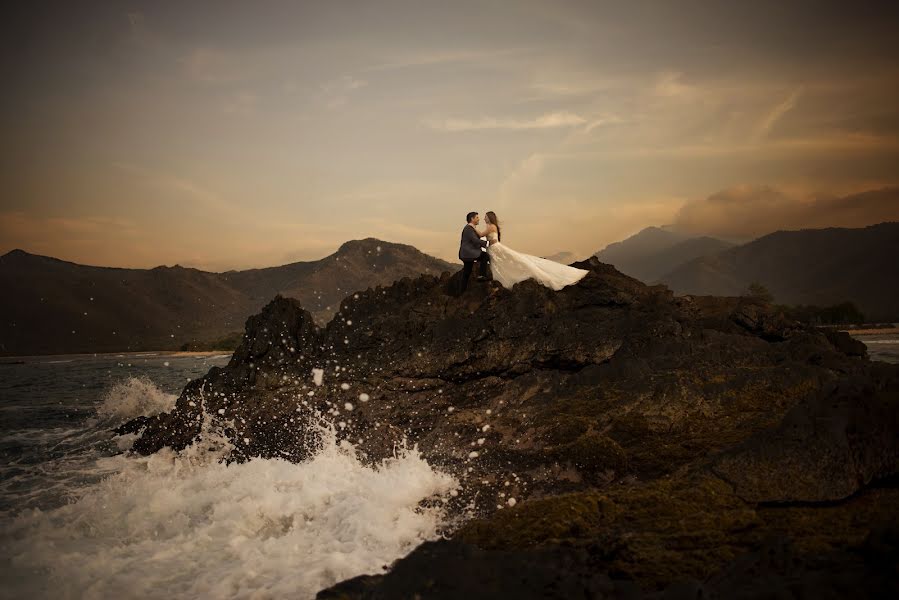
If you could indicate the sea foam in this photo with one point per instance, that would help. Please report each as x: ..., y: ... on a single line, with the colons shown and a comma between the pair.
x: 187, y: 525
x: 133, y: 397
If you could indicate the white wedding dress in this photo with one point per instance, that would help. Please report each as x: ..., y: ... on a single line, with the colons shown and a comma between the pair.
x: 509, y: 267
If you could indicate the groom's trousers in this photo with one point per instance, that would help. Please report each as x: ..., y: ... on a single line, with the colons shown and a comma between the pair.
x: 469, y: 265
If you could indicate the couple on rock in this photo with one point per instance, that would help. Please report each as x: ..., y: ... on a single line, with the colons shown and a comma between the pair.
x: 508, y: 266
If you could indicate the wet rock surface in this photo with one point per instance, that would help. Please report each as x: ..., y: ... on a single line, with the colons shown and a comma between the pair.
x: 610, y: 439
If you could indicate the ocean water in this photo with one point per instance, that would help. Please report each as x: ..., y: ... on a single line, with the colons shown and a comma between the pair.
x: 881, y: 346
x: 82, y: 518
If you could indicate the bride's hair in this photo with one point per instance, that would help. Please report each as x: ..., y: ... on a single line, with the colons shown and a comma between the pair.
x: 491, y: 218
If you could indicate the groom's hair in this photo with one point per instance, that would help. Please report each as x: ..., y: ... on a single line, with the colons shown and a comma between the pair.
x: 470, y: 216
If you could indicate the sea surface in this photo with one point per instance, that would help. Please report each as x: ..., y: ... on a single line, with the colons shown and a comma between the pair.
x: 80, y: 517
x: 881, y: 346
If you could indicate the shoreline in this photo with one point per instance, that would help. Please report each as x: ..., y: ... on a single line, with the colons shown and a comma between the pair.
x: 176, y: 353
x: 873, y: 331
x: 147, y: 353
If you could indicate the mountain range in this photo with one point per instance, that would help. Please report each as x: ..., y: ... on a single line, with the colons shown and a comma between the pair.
x: 655, y: 251
x: 809, y: 266
x: 52, y: 306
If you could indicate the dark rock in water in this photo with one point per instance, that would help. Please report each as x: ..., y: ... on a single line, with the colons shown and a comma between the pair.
x: 846, y: 343
x: 655, y: 437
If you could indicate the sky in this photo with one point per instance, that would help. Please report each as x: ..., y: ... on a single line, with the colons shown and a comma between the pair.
x: 230, y: 135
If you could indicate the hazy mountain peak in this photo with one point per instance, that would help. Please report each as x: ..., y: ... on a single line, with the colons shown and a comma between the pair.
x: 648, y: 239
x: 19, y: 254
x: 654, y: 251
x: 368, y: 245
x: 14, y: 253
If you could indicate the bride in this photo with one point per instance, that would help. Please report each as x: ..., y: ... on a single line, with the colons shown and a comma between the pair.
x: 510, y: 266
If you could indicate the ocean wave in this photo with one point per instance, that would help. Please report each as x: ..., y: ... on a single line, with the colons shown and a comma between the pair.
x: 187, y: 525
x: 135, y: 397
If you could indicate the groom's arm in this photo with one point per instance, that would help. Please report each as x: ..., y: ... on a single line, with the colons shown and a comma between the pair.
x: 472, y: 236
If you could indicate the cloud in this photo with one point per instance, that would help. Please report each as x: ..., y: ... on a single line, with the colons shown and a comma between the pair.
x: 782, y: 108
x: 240, y: 103
x: 750, y: 211
x: 524, y: 174
x: 441, y: 57
x: 607, y: 120
x: 336, y: 92
x: 208, y: 65
x: 547, y: 121
x: 669, y: 85
x: 198, y: 194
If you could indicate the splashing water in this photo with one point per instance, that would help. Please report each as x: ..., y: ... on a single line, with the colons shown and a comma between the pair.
x: 187, y: 525
x: 134, y: 397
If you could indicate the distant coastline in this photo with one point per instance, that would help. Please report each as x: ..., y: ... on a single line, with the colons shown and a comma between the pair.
x: 19, y: 359
x: 873, y: 331
x: 870, y: 328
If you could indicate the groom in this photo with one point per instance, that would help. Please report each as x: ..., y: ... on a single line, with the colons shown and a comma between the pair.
x: 472, y: 250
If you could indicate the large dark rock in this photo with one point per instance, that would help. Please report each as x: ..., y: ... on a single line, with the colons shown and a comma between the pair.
x: 777, y: 569
x: 827, y: 446
x: 655, y: 433
x: 433, y: 571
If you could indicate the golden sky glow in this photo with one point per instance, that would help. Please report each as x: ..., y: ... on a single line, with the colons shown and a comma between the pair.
x: 232, y: 135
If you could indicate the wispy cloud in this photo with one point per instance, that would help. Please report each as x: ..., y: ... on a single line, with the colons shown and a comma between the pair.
x: 480, y: 57
x: 524, y: 174
x: 601, y: 121
x: 775, y: 114
x: 210, y: 65
x: 670, y: 85
x: 336, y: 93
x: 188, y: 189
x: 547, y: 121
x: 240, y: 103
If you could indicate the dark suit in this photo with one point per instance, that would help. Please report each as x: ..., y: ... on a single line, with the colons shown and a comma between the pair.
x: 470, y: 252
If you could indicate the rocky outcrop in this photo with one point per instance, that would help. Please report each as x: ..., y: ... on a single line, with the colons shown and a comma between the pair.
x: 607, y: 437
